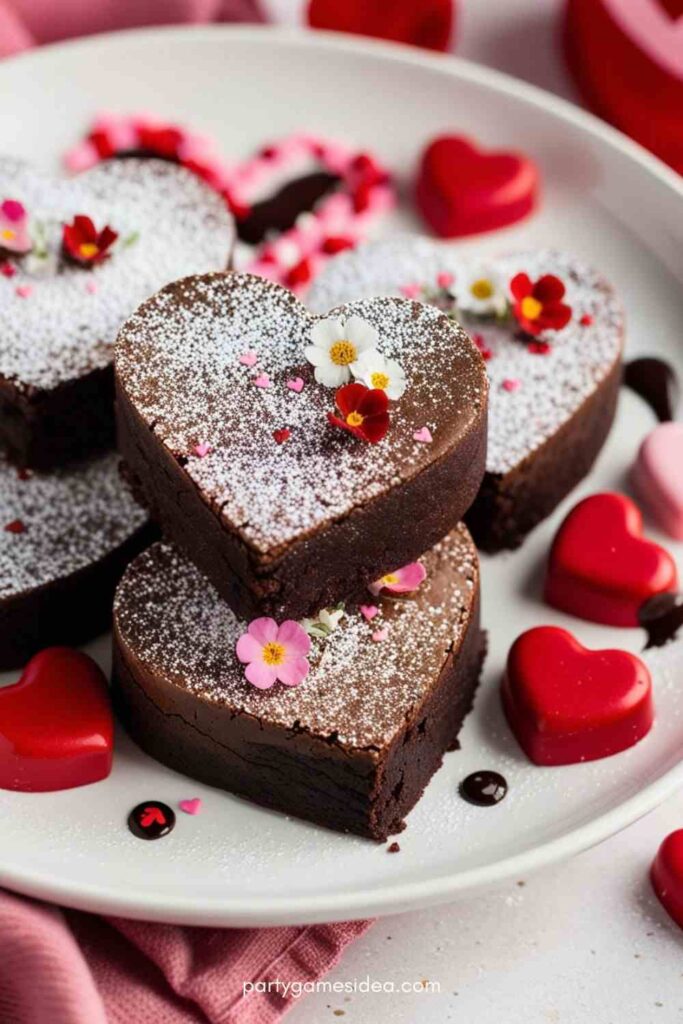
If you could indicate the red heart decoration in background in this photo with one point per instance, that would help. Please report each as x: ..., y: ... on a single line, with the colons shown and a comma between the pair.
x: 462, y: 190
x: 56, y: 724
x: 601, y: 568
x: 567, y: 704
x: 626, y: 57
x: 426, y: 23
x: 667, y: 875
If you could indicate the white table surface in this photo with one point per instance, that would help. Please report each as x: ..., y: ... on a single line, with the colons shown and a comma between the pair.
x: 585, y: 942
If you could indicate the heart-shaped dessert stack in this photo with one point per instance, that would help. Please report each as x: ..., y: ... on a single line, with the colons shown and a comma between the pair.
x: 229, y: 418
x: 554, y: 374
x: 353, y: 746
x: 67, y: 286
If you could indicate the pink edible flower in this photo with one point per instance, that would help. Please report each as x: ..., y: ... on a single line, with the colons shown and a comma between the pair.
x: 273, y: 652
x: 401, y: 581
x: 14, y: 236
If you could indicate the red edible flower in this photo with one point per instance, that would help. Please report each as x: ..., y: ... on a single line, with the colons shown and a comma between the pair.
x: 300, y: 274
x: 82, y: 243
x: 538, y: 304
x: 363, y: 412
x: 336, y: 243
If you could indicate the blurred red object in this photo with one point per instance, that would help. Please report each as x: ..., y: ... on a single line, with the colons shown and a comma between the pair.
x: 426, y: 23
x: 627, y: 59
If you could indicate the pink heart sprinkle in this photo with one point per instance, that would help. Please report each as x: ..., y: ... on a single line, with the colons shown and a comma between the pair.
x: 91, y: 286
x: 202, y: 449
x: 295, y: 384
x: 248, y: 358
x: 24, y: 291
x: 368, y: 611
x: 190, y: 806
x: 262, y: 381
x: 512, y: 384
x: 379, y: 635
x: 423, y: 435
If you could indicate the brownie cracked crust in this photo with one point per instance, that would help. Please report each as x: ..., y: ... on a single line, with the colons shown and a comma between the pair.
x: 551, y: 405
x: 58, y: 321
x: 286, y: 529
x: 354, y: 745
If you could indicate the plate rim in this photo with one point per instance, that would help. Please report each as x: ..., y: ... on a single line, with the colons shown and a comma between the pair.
x: 394, y: 897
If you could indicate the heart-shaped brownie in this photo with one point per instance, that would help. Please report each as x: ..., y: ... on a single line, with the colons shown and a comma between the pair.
x: 65, y: 538
x: 554, y: 382
x: 248, y: 470
x: 601, y: 567
x: 566, y: 704
x: 56, y: 724
x: 353, y: 745
x: 463, y: 190
x: 66, y: 287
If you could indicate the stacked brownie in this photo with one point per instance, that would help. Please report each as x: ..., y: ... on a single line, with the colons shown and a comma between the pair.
x: 309, y: 474
x: 76, y: 257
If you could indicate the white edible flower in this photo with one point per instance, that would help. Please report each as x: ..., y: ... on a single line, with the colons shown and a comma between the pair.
x: 325, y: 622
x: 481, y: 291
x: 376, y: 371
x: 337, y: 345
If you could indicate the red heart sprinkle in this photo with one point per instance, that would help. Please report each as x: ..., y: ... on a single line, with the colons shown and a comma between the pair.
x: 282, y: 435
x: 16, y: 526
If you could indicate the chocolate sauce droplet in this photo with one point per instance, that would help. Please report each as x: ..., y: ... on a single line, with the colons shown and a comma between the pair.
x: 657, y: 384
x: 661, y: 617
x: 151, y: 820
x: 483, y: 788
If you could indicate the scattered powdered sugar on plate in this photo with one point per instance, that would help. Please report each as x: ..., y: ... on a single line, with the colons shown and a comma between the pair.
x: 178, y: 359
x: 173, y: 623
x: 531, y: 395
x: 169, y: 224
x: 61, y: 522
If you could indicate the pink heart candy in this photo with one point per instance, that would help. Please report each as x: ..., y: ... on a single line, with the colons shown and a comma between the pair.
x: 24, y: 291
x: 368, y: 611
x: 295, y: 384
x: 379, y: 635
x: 512, y: 384
x: 262, y: 381
x: 248, y: 358
x: 190, y: 806
x: 202, y: 449
x: 657, y: 476
x: 423, y: 435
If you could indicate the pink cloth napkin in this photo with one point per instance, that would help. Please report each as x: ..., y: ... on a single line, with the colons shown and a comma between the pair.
x: 67, y: 967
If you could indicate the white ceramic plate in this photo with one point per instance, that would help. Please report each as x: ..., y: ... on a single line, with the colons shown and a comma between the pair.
x: 604, y: 198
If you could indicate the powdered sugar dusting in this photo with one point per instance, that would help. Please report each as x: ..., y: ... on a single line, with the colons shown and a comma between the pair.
x: 178, y: 360
x: 175, y: 626
x: 67, y: 324
x: 71, y: 518
x: 549, y: 387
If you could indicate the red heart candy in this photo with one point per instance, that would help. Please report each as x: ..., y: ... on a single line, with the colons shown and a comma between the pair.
x: 601, y: 568
x: 667, y: 875
x: 641, y: 43
x: 427, y: 23
x: 56, y: 724
x: 567, y: 704
x: 462, y: 190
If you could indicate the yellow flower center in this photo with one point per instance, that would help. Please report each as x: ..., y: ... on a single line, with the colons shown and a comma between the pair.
x: 343, y: 352
x: 273, y: 653
x: 88, y: 250
x: 8, y: 234
x: 482, y: 288
x: 531, y: 307
x: 379, y: 380
x: 354, y: 419
x: 389, y: 579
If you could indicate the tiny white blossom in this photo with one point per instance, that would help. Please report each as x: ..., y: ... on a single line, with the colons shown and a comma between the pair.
x: 481, y: 291
x: 376, y: 371
x: 337, y: 345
